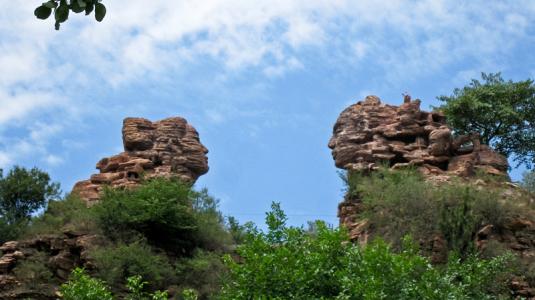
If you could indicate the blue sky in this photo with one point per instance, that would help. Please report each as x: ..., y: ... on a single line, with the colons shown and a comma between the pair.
x: 262, y: 81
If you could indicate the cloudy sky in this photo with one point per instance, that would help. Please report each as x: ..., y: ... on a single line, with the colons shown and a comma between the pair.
x: 262, y: 81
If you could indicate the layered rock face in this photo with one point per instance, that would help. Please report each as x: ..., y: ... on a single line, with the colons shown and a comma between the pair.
x: 170, y: 147
x: 59, y: 253
x: 370, y: 133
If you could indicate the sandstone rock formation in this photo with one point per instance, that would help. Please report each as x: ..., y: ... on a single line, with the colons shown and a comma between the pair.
x: 59, y: 253
x: 370, y: 133
x: 170, y: 147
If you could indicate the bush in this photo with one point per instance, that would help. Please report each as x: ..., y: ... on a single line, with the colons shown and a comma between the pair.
x: 203, y: 272
x: 117, y: 262
x: 168, y: 213
x: 82, y: 287
x: 160, y: 210
x: 211, y: 232
x: 34, y: 270
x: 398, y: 203
x: 289, y: 263
x: 69, y: 214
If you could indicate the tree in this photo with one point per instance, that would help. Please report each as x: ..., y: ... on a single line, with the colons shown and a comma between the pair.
x: 290, y: 263
x: 501, y: 112
x: 62, y: 9
x: 23, y: 192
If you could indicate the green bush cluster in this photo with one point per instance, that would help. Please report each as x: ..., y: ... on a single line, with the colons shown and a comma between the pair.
x: 164, y: 231
x: 81, y: 286
x: 291, y: 263
x: 119, y: 261
x: 401, y: 202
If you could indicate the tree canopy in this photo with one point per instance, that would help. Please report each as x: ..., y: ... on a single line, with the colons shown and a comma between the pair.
x: 62, y: 8
x: 23, y: 192
x: 501, y: 112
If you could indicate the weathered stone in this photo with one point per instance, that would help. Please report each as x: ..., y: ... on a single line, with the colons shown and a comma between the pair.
x: 370, y: 132
x: 166, y: 148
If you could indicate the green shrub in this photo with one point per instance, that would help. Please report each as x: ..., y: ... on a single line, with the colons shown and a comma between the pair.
x: 396, y: 203
x: 11, y: 231
x: 189, y: 294
x: 71, y: 213
x: 33, y: 270
x: 160, y: 209
x: 203, y: 271
x: 401, y: 202
x: 211, y: 232
x: 458, y: 221
x: 82, y: 287
x: 136, y: 286
x: 117, y: 262
x: 289, y: 263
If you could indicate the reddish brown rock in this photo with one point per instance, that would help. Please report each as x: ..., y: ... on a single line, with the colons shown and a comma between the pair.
x: 370, y: 133
x: 166, y: 148
x: 59, y: 253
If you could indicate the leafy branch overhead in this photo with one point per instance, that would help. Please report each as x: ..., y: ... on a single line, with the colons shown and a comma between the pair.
x: 62, y: 8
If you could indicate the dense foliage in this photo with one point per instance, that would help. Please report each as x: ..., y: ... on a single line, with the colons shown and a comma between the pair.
x: 399, y: 203
x: 501, y: 112
x: 290, y: 263
x: 62, y: 9
x: 22, y: 193
x: 83, y: 287
x: 160, y: 210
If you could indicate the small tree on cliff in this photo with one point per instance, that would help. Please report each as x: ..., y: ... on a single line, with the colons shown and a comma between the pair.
x: 502, y: 112
x: 62, y: 8
x: 22, y: 193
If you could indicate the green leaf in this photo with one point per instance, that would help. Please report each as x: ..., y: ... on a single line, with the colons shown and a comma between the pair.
x: 42, y: 12
x: 81, y: 3
x: 51, y: 4
x: 89, y: 8
x: 75, y: 7
x: 62, y: 12
x: 100, y: 12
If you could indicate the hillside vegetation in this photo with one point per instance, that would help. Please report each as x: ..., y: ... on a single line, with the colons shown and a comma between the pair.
x: 166, y: 240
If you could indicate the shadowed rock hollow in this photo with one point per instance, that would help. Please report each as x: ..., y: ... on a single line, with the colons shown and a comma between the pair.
x: 170, y: 147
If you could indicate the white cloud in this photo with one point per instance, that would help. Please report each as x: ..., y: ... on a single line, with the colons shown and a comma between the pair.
x: 5, y: 160
x: 53, y: 160
x: 44, y: 71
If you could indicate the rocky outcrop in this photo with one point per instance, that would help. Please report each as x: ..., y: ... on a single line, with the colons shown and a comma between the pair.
x: 58, y: 254
x: 170, y: 147
x: 369, y: 134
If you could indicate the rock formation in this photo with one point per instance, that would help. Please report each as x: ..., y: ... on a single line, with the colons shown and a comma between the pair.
x: 170, y: 147
x: 370, y: 133
x: 59, y: 253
